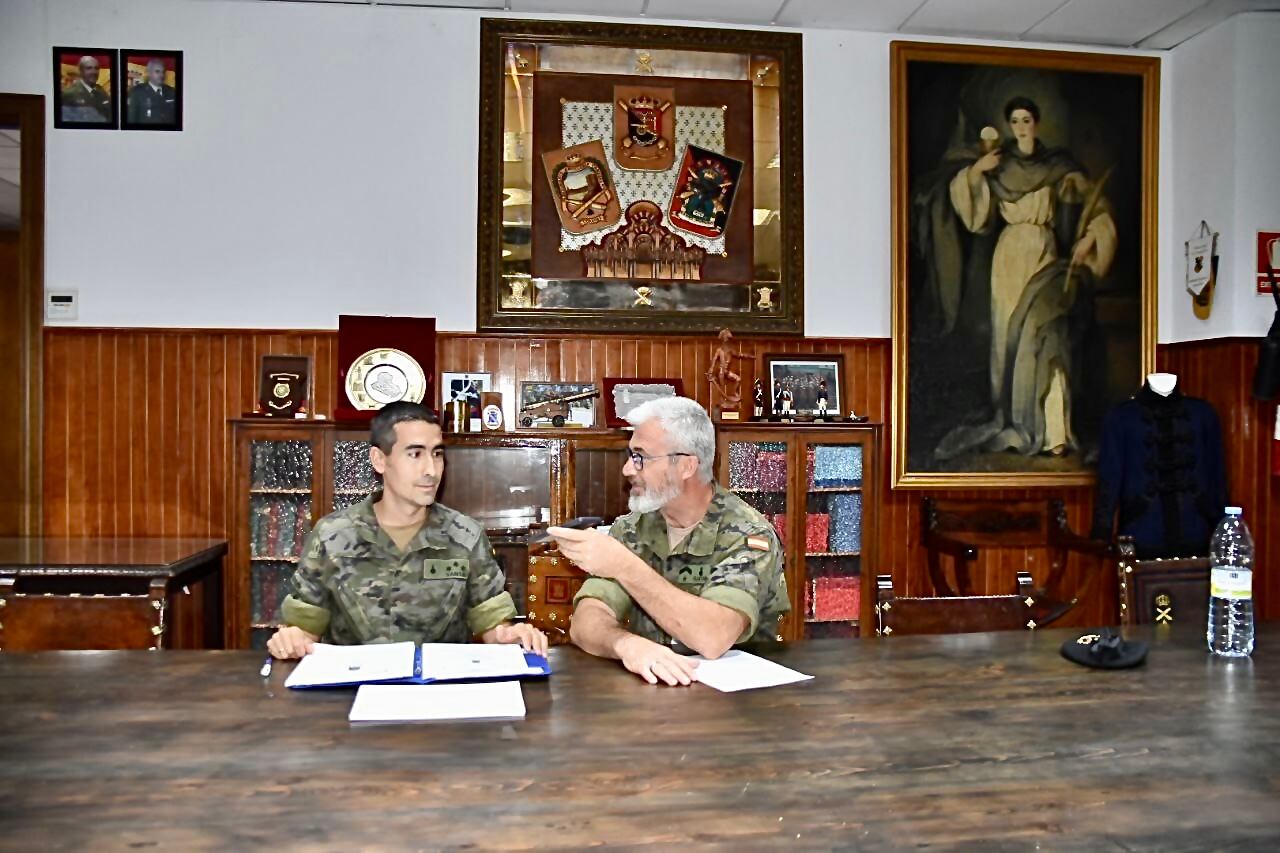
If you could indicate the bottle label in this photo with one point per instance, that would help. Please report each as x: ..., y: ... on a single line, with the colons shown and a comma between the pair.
x: 1231, y: 583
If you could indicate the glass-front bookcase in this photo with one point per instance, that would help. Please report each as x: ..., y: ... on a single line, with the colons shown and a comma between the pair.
x: 809, y: 482
x: 287, y: 475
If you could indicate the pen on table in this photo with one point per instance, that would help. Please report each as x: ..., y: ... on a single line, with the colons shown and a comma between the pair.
x: 265, y: 672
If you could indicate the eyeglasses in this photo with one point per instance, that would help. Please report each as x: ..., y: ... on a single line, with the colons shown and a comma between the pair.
x: 638, y: 459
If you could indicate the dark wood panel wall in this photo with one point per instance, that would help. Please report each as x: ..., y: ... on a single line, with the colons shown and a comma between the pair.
x: 136, y: 442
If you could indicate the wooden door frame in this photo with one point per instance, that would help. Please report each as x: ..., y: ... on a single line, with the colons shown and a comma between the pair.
x: 29, y: 324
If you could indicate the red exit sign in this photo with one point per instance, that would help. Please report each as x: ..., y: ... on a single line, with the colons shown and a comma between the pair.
x: 1268, y: 258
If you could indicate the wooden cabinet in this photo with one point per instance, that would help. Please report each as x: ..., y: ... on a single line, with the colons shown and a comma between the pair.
x: 816, y: 485
x: 289, y: 474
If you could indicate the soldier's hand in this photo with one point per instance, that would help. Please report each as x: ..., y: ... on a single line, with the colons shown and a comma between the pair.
x: 529, y: 637
x: 592, y: 551
x: 291, y: 642
x: 654, y: 662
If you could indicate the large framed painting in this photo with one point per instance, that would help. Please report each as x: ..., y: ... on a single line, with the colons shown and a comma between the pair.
x: 1024, y: 258
x: 639, y: 178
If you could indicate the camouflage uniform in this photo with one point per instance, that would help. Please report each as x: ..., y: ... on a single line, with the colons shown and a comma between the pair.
x: 713, y: 561
x: 353, y: 585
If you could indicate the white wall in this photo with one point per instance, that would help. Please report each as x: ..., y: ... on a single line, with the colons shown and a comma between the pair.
x: 314, y: 177
x: 1226, y: 155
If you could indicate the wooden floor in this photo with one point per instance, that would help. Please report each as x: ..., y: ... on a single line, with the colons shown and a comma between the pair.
x: 987, y: 741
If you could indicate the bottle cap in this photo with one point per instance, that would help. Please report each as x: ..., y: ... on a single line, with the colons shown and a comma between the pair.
x: 1234, y: 510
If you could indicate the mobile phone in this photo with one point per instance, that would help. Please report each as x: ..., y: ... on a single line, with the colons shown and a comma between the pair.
x: 582, y: 522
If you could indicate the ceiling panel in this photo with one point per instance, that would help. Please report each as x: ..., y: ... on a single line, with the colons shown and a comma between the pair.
x: 981, y: 17
x: 616, y: 8
x: 884, y: 16
x: 728, y: 11
x: 1201, y: 19
x: 1111, y: 22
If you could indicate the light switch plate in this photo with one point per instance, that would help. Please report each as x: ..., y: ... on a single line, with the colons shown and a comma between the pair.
x: 61, y: 305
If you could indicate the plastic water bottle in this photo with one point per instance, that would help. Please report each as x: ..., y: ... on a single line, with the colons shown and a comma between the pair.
x: 1231, y: 587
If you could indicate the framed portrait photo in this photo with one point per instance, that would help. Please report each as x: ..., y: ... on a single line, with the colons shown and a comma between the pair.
x: 1024, y: 258
x: 622, y: 395
x: 796, y: 383
x: 85, y: 88
x: 557, y: 404
x: 639, y: 178
x: 464, y: 386
x: 152, y: 89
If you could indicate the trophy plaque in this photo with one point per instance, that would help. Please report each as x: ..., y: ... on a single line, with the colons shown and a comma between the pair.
x: 383, y: 360
x: 284, y: 382
x: 491, y: 410
x: 382, y: 376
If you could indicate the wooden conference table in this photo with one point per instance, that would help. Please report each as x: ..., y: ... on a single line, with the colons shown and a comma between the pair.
x: 987, y: 740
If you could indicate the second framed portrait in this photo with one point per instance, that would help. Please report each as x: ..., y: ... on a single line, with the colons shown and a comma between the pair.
x: 153, y: 89
x: 1024, y: 258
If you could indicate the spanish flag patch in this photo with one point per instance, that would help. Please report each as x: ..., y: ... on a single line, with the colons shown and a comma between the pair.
x: 758, y: 543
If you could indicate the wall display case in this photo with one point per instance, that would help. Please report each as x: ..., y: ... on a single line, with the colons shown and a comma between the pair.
x: 288, y: 475
x: 809, y: 482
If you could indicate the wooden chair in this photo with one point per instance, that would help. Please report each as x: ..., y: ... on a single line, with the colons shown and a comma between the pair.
x: 958, y: 528
x: 553, y: 582
x: 960, y: 614
x: 1160, y: 591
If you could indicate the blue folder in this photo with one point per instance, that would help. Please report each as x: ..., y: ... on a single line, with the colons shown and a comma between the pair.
x: 533, y: 661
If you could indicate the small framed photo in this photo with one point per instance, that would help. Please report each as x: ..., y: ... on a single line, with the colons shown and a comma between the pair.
x: 85, y: 88
x: 557, y: 404
x: 153, y: 89
x: 464, y: 386
x: 623, y: 395
x: 804, y: 384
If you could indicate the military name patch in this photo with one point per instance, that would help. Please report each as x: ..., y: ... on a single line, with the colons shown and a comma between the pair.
x: 758, y: 543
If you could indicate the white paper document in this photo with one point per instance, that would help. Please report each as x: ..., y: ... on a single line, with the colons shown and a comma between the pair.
x: 458, y: 661
x: 353, y: 664
x: 737, y: 670
x: 417, y: 703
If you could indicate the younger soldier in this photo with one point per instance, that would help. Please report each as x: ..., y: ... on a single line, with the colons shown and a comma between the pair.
x: 692, y: 563
x: 399, y: 566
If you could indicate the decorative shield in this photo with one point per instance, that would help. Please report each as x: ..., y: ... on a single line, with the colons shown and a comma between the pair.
x: 582, y: 188
x: 704, y: 192
x: 644, y: 124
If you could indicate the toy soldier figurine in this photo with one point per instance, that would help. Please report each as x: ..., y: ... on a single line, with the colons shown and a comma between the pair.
x: 758, y: 393
x: 777, y: 398
x: 724, y: 379
x: 822, y: 398
x: 787, y: 398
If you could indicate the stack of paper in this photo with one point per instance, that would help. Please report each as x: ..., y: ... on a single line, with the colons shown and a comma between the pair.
x: 738, y: 670
x: 418, y: 703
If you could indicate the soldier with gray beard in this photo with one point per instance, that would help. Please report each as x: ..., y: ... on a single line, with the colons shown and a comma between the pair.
x: 692, y: 563
x: 398, y: 566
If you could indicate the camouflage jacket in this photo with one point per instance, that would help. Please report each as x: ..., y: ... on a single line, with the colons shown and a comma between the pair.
x: 353, y: 585
x: 732, y: 557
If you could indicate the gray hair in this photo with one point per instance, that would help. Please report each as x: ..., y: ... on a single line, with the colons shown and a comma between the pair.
x: 687, y: 425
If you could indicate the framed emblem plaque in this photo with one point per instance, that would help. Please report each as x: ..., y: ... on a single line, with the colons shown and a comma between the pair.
x: 639, y: 179
x: 383, y: 360
x: 284, y: 385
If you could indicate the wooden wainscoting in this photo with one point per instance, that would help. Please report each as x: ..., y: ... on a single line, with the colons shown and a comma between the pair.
x: 136, y: 438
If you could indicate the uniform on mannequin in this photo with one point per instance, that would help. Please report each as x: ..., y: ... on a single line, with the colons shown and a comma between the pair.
x: 1161, y: 473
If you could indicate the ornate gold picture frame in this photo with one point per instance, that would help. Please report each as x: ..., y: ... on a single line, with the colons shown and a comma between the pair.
x: 703, y: 122
x: 1024, y: 258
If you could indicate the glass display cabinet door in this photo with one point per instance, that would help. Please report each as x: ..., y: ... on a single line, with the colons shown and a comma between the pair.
x: 758, y: 473
x: 832, y: 570
x: 280, y: 495
x: 353, y: 474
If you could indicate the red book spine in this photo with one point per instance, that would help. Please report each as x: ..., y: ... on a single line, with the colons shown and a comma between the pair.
x: 273, y: 530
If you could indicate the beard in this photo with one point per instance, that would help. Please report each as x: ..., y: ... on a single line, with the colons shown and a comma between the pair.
x: 655, y: 498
